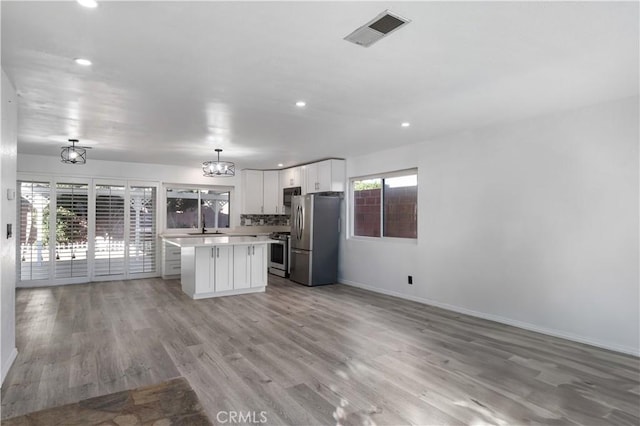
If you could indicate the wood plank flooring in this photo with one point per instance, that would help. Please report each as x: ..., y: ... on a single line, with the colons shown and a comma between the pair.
x: 309, y: 356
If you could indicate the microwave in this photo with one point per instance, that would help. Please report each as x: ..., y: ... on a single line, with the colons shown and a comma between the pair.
x: 287, y: 193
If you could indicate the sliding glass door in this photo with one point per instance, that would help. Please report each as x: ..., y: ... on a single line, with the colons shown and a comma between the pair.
x: 75, y: 231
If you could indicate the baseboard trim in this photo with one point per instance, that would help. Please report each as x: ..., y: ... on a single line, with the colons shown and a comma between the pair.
x: 8, y: 363
x: 503, y: 320
x: 250, y: 290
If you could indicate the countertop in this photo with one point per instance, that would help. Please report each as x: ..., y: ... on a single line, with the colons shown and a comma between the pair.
x: 217, y: 240
x: 238, y: 231
x: 196, y: 234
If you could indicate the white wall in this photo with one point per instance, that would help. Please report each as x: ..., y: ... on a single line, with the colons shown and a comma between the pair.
x: 534, y: 223
x: 30, y: 165
x: 8, y: 209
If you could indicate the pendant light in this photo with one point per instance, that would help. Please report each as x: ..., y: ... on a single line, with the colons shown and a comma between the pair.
x: 73, y: 154
x: 218, y: 168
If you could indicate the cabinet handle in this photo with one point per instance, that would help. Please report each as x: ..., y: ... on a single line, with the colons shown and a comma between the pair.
x: 248, y: 250
x: 217, y: 251
x: 211, y: 251
x: 254, y: 250
x: 261, y: 209
x: 291, y: 181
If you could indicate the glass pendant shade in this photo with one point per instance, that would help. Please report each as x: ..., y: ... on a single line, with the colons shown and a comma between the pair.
x: 218, y: 168
x: 73, y: 154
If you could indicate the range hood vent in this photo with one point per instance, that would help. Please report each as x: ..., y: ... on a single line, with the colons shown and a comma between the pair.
x: 379, y: 27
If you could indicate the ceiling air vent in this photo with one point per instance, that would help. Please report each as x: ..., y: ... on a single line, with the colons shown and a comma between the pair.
x: 379, y: 27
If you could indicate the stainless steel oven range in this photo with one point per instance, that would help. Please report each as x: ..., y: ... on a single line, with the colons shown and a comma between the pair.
x: 279, y: 257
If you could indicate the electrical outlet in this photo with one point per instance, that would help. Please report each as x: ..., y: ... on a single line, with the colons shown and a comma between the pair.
x: 410, y: 279
x: 261, y: 221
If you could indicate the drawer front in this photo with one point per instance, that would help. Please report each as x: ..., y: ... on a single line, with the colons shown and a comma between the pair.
x: 172, y: 268
x: 171, y: 253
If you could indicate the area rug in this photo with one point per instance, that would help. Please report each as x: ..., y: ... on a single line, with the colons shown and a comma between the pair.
x: 164, y: 404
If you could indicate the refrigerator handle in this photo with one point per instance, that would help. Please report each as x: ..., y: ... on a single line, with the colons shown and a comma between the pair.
x: 300, y: 223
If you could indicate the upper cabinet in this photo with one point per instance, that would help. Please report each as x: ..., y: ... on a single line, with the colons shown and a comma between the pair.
x: 325, y: 176
x: 272, y: 194
x: 263, y: 188
x: 262, y: 194
x: 253, y: 187
x: 291, y: 177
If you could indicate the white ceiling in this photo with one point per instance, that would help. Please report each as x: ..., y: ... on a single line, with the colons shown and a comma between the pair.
x: 171, y: 81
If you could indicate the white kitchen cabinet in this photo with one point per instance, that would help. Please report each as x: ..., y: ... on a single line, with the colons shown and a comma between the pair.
x: 249, y: 266
x: 325, y: 176
x: 271, y: 194
x: 170, y: 261
x: 202, y: 275
x: 262, y: 194
x: 215, y: 268
x: 253, y: 188
x: 221, y: 268
x: 291, y: 177
x: 259, y: 265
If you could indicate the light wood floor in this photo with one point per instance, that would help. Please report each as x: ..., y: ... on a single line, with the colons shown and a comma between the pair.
x: 308, y: 355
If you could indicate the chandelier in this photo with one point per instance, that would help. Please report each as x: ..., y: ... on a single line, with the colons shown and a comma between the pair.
x: 73, y: 154
x: 218, y: 168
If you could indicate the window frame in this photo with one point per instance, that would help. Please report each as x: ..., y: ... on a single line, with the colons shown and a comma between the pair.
x: 386, y: 175
x: 219, y: 188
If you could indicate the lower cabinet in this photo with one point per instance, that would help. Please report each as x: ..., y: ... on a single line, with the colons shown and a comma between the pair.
x: 249, y: 266
x: 170, y: 261
x: 223, y: 270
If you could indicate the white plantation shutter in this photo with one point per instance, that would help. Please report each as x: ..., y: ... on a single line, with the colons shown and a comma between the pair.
x: 142, y: 229
x: 109, y: 230
x: 34, y: 198
x: 71, y: 230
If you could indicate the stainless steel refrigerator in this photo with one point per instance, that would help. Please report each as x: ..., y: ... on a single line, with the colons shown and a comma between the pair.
x: 315, y: 232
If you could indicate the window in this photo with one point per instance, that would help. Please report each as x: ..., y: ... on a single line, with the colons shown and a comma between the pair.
x: 386, y: 205
x: 182, y: 208
x: 189, y: 208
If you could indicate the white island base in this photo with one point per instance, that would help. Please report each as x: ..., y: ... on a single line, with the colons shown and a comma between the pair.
x: 222, y: 266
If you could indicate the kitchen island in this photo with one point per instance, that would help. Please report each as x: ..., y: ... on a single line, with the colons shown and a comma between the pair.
x: 214, y: 266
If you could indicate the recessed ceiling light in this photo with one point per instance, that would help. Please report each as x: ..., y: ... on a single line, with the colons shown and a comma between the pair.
x: 88, y: 3
x: 280, y: 165
x: 406, y: 124
x: 83, y: 62
x: 301, y: 104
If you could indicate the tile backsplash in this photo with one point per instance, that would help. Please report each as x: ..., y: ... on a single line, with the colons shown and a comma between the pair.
x: 267, y: 220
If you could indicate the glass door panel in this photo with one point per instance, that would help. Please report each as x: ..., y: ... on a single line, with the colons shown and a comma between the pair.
x: 142, y: 229
x: 71, y: 230
x: 33, y: 247
x: 109, y: 230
